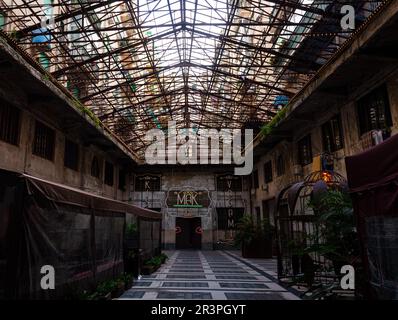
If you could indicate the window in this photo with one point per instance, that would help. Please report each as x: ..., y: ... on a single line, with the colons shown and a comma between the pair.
x: 229, y: 183
x: 76, y: 92
x: 305, y: 150
x: 71, y: 155
x: 44, y: 141
x: 9, y: 123
x: 268, y: 209
x: 258, y: 216
x: 255, y: 179
x: 147, y: 183
x: 2, y: 20
x: 108, y: 177
x: 280, y: 166
x: 268, y: 172
x: 332, y: 136
x: 95, y: 167
x: 374, y: 111
x: 122, y: 180
x: 44, y: 60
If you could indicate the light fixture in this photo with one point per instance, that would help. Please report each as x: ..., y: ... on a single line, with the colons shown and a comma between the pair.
x: 326, y: 176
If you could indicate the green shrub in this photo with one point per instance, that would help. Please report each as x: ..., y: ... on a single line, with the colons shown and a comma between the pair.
x: 157, y: 260
x: 164, y: 256
x: 247, y: 230
x: 270, y: 126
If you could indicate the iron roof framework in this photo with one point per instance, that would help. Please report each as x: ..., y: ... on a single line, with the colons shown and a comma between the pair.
x: 202, y: 63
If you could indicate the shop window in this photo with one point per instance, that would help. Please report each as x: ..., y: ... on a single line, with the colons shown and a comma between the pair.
x: 9, y: 123
x: 332, y: 136
x: 305, y: 150
x: 95, y: 168
x: 374, y: 111
x: 108, y: 177
x: 44, y: 141
x: 268, y: 172
x: 280, y: 166
x: 71, y: 155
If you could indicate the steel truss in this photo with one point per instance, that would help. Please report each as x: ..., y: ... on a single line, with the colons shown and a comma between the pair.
x: 204, y: 64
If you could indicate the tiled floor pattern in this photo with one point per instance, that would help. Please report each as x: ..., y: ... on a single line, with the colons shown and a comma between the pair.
x: 210, y: 275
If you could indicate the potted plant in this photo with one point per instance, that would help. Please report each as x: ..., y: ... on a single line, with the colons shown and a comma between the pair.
x: 163, y: 257
x: 255, y: 240
x: 104, y: 290
x: 152, y: 265
x: 119, y: 288
x: 147, y: 269
x: 128, y: 280
x: 335, y: 220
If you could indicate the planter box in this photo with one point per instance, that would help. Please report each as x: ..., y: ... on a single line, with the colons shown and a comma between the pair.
x: 118, y: 291
x: 108, y: 296
x: 258, y: 248
x: 149, y: 269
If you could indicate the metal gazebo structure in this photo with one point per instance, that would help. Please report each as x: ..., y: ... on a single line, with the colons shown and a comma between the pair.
x: 296, y: 227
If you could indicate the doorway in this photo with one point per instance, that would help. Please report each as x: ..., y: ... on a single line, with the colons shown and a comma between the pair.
x: 189, y: 233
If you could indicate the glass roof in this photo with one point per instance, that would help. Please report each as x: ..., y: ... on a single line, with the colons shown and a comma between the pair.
x: 202, y: 63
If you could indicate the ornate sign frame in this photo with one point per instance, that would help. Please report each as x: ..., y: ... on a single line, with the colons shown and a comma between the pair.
x: 189, y: 188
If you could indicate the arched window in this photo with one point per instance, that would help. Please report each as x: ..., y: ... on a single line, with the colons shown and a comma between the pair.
x: 95, y: 168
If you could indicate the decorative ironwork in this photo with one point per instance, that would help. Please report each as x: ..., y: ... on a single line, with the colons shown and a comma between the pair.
x: 298, y: 230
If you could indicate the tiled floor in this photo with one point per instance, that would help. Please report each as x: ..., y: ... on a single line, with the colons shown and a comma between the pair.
x: 208, y: 275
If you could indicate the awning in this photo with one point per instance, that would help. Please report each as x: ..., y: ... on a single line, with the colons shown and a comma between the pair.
x: 375, y: 167
x: 72, y: 196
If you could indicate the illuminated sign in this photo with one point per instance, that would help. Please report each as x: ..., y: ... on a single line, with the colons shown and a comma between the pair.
x: 188, y: 199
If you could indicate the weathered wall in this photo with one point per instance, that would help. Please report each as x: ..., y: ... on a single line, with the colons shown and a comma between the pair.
x: 20, y: 159
x: 198, y: 181
x: 351, y: 136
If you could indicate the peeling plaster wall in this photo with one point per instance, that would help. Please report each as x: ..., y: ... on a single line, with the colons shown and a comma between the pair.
x: 20, y: 159
x: 197, y: 181
x: 351, y: 136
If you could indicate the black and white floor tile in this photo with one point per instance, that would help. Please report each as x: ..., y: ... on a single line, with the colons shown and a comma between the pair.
x: 218, y: 275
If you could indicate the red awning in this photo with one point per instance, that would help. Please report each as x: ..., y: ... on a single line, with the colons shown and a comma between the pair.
x: 375, y: 167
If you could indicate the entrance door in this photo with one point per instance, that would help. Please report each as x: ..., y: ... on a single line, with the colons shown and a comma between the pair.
x: 188, y: 233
